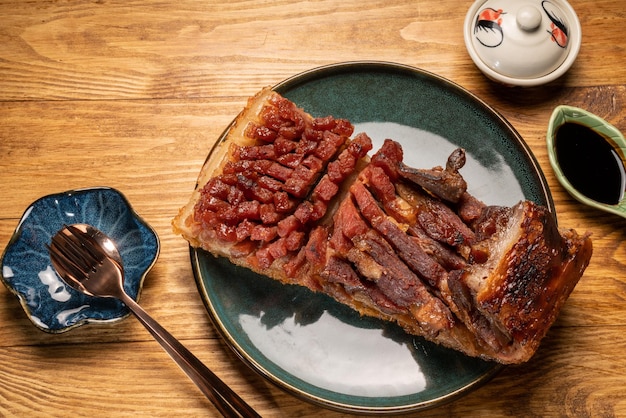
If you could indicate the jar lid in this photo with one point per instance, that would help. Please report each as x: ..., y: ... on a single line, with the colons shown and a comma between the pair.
x: 522, y: 42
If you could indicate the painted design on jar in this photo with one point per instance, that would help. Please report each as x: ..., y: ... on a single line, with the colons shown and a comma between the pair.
x: 558, y: 29
x: 488, y: 27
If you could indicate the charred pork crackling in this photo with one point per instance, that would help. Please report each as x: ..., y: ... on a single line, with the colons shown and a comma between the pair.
x: 298, y: 199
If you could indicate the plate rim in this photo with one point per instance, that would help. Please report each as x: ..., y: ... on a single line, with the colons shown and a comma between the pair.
x: 240, y: 352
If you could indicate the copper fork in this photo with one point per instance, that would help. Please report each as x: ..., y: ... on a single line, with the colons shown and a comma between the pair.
x: 85, y: 258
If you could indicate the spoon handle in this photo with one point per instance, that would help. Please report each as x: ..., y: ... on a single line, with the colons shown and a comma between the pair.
x: 222, y: 396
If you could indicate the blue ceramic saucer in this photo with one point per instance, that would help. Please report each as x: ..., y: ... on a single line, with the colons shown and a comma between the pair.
x: 27, y: 272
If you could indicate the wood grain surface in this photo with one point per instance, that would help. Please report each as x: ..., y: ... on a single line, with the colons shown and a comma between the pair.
x: 132, y: 95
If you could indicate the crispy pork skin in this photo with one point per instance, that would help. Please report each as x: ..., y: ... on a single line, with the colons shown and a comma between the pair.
x: 513, y: 298
x: 297, y: 198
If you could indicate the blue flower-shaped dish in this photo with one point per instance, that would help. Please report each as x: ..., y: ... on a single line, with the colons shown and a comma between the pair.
x: 50, y: 304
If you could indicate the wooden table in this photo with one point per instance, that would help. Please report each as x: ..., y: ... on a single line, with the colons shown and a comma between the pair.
x: 132, y: 94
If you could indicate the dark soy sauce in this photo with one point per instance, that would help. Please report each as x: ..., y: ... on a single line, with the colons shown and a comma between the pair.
x: 590, y: 163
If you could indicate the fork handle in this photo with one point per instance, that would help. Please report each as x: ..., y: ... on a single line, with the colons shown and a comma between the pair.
x: 222, y: 396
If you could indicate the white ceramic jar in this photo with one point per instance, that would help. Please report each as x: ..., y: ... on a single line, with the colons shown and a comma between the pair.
x: 522, y: 42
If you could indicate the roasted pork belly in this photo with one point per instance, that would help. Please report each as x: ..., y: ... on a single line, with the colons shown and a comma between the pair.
x: 298, y: 199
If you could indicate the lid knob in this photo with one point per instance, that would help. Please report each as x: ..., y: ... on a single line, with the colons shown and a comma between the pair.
x: 528, y: 18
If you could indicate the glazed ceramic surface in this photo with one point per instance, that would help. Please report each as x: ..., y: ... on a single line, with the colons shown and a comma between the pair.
x: 570, y: 114
x: 522, y: 42
x: 50, y: 304
x: 320, y: 350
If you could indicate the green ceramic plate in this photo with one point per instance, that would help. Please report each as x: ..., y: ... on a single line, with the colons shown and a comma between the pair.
x: 320, y: 350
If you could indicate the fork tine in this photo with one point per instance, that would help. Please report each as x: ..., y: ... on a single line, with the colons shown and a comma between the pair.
x: 76, y: 257
x: 64, y: 266
x: 73, y: 253
x: 86, y: 242
x: 72, y: 274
